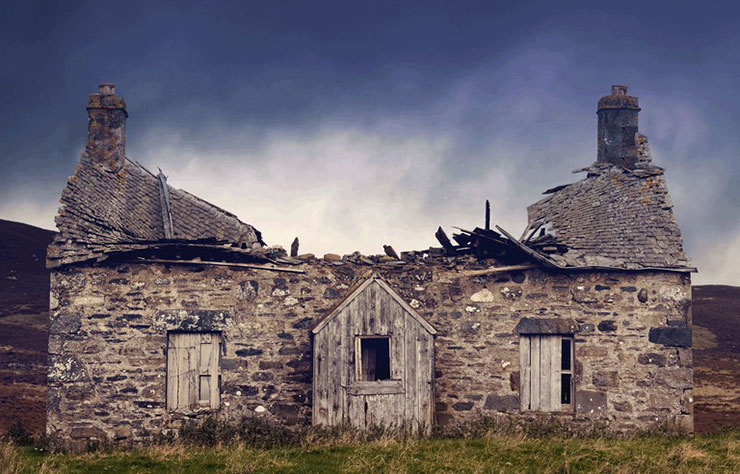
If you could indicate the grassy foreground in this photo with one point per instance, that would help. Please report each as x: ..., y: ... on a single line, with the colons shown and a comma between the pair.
x: 644, y: 454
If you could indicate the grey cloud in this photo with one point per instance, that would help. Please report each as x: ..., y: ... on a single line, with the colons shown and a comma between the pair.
x: 356, y: 126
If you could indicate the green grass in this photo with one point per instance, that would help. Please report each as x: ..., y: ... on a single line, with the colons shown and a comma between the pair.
x: 498, y: 453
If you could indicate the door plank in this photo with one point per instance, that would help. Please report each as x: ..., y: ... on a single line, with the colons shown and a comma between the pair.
x: 525, y: 362
x: 534, y: 397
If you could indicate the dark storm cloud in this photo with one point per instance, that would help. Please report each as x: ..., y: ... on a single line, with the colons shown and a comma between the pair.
x: 427, y: 107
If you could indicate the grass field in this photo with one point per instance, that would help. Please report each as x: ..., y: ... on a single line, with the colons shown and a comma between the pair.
x: 717, y: 453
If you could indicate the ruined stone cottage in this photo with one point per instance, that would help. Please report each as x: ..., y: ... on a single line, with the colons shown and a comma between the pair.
x: 165, y: 308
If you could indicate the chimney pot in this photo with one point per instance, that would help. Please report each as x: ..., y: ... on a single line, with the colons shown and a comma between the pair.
x: 107, y: 88
x: 619, y: 90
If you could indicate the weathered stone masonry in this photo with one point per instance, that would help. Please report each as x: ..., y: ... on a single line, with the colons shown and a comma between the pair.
x: 109, y: 327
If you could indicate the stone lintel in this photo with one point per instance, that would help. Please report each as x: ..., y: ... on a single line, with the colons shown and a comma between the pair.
x: 546, y: 326
x: 193, y: 320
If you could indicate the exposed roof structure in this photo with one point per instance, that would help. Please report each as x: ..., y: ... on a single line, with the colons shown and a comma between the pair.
x: 619, y: 217
x: 615, y: 217
x: 105, y: 212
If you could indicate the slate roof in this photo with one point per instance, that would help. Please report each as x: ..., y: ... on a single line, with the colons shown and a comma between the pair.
x: 615, y: 217
x: 104, y: 213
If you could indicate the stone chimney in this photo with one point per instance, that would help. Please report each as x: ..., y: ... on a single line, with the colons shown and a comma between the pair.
x: 617, y: 118
x: 106, y: 129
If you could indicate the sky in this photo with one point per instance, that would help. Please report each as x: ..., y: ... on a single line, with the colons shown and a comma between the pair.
x: 357, y: 124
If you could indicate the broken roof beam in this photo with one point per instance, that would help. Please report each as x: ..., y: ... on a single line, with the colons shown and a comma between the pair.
x: 444, y: 240
x: 539, y: 258
x: 488, y: 215
x: 461, y: 239
x: 494, y: 270
x: 220, y: 264
x: 164, y: 197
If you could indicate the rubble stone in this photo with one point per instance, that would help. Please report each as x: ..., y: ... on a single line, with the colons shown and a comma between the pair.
x: 267, y: 345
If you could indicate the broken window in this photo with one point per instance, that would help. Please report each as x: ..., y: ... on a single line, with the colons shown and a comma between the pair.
x: 193, y: 370
x: 546, y: 372
x: 374, y: 358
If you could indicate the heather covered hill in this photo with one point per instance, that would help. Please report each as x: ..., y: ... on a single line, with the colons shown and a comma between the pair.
x: 716, y: 311
x: 24, y: 316
x: 24, y: 280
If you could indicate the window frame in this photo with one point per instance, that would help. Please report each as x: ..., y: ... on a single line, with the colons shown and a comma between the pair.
x: 358, y: 357
x: 568, y: 406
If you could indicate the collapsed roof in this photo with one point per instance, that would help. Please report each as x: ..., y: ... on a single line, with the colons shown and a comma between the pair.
x: 112, y: 204
x: 619, y: 217
x: 615, y: 218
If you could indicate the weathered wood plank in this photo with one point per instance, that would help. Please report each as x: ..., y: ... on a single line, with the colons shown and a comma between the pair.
x: 534, y: 373
x: 214, y: 367
x: 318, y: 409
x: 411, y: 398
x: 443, y: 239
x: 420, y: 385
x: 426, y: 385
x: 494, y: 270
x: 251, y: 266
x: 554, y: 372
x: 334, y: 370
x: 378, y: 387
x: 524, y: 371
x: 172, y: 371
x: 192, y: 373
x: 544, y: 373
x: 398, y: 368
x: 357, y: 411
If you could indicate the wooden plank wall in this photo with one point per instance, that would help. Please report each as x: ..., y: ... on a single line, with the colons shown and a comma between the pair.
x: 374, y: 313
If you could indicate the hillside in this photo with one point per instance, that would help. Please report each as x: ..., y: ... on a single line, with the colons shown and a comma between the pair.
x: 24, y: 280
x: 24, y: 293
x: 716, y: 311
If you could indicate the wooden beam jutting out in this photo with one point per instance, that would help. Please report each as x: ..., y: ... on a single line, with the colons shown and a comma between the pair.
x: 251, y: 266
x: 294, y: 248
x: 488, y: 215
x: 443, y: 239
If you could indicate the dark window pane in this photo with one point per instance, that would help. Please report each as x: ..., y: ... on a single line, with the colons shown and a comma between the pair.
x: 376, y: 361
x: 565, y: 389
x: 565, y: 359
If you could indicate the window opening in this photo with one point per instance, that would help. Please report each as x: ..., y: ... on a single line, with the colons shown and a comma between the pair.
x: 375, y: 358
x: 566, y: 371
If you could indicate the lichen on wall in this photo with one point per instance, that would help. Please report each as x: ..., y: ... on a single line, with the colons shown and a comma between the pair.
x: 109, y: 324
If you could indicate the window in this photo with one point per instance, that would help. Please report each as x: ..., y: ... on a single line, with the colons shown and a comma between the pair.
x: 374, y: 358
x: 193, y: 370
x: 566, y: 371
x: 546, y: 372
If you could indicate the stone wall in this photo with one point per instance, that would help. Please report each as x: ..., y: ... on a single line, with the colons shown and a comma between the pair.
x: 109, y: 326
